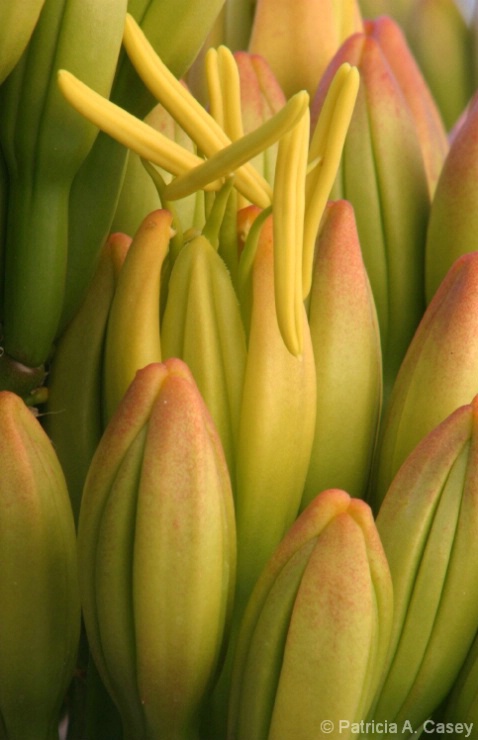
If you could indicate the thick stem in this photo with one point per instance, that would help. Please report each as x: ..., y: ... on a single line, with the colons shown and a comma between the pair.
x: 35, y: 265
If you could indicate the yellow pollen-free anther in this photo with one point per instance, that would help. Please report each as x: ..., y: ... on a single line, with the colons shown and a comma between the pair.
x: 231, y: 93
x: 214, y: 87
x: 288, y: 209
x: 326, y: 150
x: 187, y: 111
x: 224, y: 88
x: 229, y: 159
x: 133, y: 133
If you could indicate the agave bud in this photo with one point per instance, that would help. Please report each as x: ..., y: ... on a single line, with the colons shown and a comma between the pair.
x: 73, y: 418
x: 315, y: 634
x: 431, y: 131
x: 345, y: 337
x: 132, y: 336
x: 397, y: 9
x: 438, y: 374
x: 383, y: 176
x: 39, y: 598
x: 276, y: 428
x: 428, y: 524
x: 445, y: 56
x: 308, y: 32
x: 202, y: 325
x: 157, y: 546
x: 276, y: 425
x: 453, y: 225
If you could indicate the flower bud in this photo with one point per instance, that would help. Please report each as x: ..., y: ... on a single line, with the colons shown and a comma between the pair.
x: 39, y: 598
x: 383, y: 176
x: 453, y: 225
x: 157, y: 546
x: 315, y: 634
x: 428, y: 525
x: 346, y: 341
x: 438, y: 374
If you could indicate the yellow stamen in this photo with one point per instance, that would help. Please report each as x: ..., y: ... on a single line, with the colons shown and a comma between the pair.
x: 214, y: 87
x: 326, y: 148
x: 229, y: 159
x: 231, y: 93
x: 288, y: 223
x: 128, y: 130
x: 187, y: 111
x: 224, y: 83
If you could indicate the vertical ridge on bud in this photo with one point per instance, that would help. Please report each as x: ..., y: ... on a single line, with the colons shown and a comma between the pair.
x: 346, y: 341
x: 276, y: 425
x: 132, y: 338
x: 202, y: 325
x: 308, y: 32
x: 39, y: 598
x: 383, y: 175
x: 157, y: 542
x: 438, y: 373
x: 428, y: 524
x: 453, y: 225
x: 323, y: 600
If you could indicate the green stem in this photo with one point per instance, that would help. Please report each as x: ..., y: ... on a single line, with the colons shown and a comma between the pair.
x: 35, y: 266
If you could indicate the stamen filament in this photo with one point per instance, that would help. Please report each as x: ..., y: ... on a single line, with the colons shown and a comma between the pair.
x: 327, y: 146
x: 127, y: 129
x: 229, y: 159
x: 214, y: 86
x: 188, y: 112
x: 288, y: 224
x: 231, y: 93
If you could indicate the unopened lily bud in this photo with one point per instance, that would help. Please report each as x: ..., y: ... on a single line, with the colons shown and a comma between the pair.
x: 453, y: 225
x: 307, y: 32
x: 315, y: 634
x: 157, y: 546
x: 276, y: 425
x: 202, y: 325
x: 432, y: 135
x: 383, y: 176
x: 39, y: 597
x: 438, y: 374
x: 396, y: 9
x: 428, y: 525
x: 132, y: 336
x: 73, y: 418
x: 445, y: 56
x: 346, y: 341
